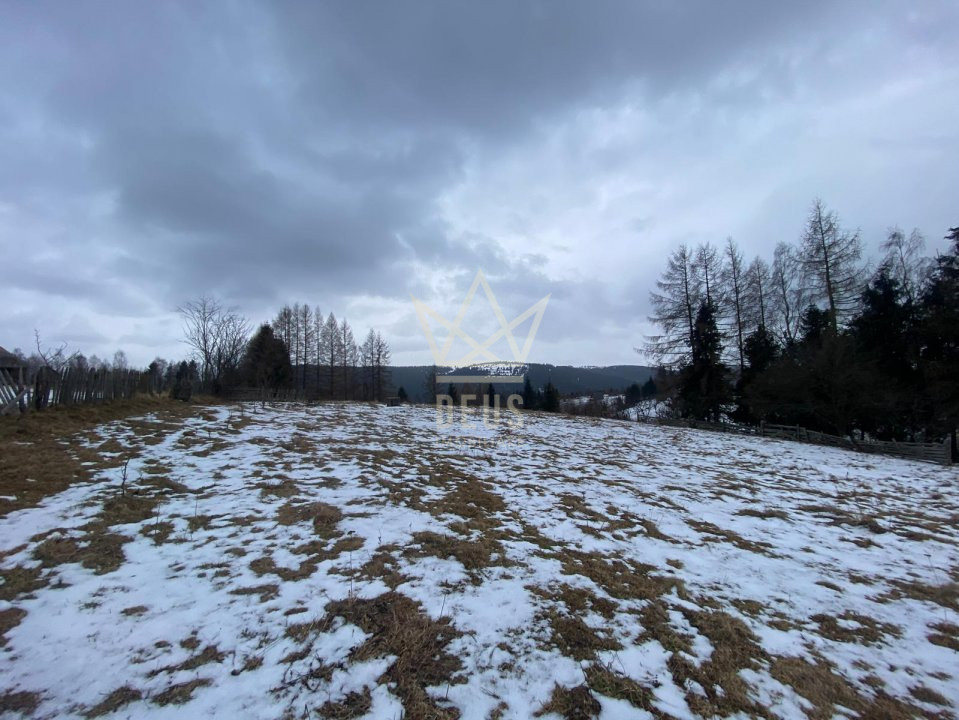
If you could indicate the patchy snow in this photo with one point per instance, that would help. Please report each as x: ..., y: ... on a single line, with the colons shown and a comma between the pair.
x: 538, y: 556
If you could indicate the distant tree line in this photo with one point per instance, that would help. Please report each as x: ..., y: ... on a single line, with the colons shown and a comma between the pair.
x: 299, y: 349
x: 816, y: 337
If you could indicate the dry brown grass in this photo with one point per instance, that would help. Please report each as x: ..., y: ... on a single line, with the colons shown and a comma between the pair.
x: 604, y: 681
x: 575, y: 703
x: 470, y: 498
x: 209, y: 654
x: 576, y: 639
x: 316, y: 551
x: 620, y: 578
x: 928, y: 695
x: 577, y: 600
x: 352, y: 706
x: 38, y: 460
x: 284, y: 488
x: 765, y: 513
x: 20, y: 581
x: 868, y: 632
x: 656, y: 626
x: 399, y: 627
x: 826, y: 689
x: 946, y: 594
x: 323, y: 516
x: 267, y: 591
x: 474, y: 555
x: 383, y: 566
x: 9, y: 619
x: 735, y: 648
x: 21, y: 702
x: 712, y: 531
x: 838, y: 516
x: 946, y: 635
x: 114, y: 701
x: 180, y: 693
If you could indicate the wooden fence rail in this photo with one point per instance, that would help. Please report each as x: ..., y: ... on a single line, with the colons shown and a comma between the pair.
x: 934, y: 452
x: 73, y: 386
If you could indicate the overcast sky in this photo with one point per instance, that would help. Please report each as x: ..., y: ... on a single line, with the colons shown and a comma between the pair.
x: 351, y: 154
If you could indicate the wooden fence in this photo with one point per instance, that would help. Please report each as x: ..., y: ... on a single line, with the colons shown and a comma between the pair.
x: 934, y: 452
x: 73, y: 386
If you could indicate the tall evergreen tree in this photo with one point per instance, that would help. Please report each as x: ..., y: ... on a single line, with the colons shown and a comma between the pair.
x: 550, y: 397
x: 266, y: 363
x: 530, y: 396
x: 703, y: 383
x: 674, y: 308
x: 939, y: 341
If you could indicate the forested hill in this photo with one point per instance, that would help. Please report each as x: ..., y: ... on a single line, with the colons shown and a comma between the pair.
x: 566, y: 378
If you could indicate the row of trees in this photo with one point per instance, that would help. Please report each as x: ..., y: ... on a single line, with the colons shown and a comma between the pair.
x: 816, y: 337
x: 299, y: 349
x: 59, y: 359
x: 325, y: 356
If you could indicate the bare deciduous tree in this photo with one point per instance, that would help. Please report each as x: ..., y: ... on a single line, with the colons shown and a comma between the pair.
x: 734, y: 279
x: 330, y: 345
x: 903, y: 260
x: 218, y: 336
x: 758, y: 289
x: 788, y: 291
x: 348, y: 357
x: 831, y: 260
x: 708, y: 269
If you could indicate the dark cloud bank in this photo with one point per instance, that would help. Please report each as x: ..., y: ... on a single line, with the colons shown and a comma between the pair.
x: 350, y: 154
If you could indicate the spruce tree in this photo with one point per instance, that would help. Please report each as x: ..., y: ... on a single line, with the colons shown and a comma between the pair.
x: 703, y: 384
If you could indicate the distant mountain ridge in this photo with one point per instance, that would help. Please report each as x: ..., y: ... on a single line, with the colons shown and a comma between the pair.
x: 568, y: 379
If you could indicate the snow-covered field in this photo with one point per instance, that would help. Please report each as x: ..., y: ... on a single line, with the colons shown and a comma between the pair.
x: 357, y: 561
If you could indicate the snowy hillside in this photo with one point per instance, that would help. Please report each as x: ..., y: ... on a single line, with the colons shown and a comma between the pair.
x: 497, y: 369
x: 355, y: 561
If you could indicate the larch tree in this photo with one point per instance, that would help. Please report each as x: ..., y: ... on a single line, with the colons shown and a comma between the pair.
x: 307, y: 344
x: 381, y: 367
x: 318, y: 344
x: 674, y: 306
x: 283, y: 326
x: 330, y: 343
x: 367, y: 357
x: 831, y: 257
x: 734, y: 281
x: 708, y: 269
x: 904, y: 261
x: 758, y: 289
x: 296, y: 348
x: 348, y: 357
x: 788, y: 291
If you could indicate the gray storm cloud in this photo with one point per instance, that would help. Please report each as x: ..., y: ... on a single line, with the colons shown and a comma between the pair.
x: 349, y: 154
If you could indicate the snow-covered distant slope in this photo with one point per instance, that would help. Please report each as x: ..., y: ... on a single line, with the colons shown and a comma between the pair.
x: 499, y: 369
x: 358, y: 561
